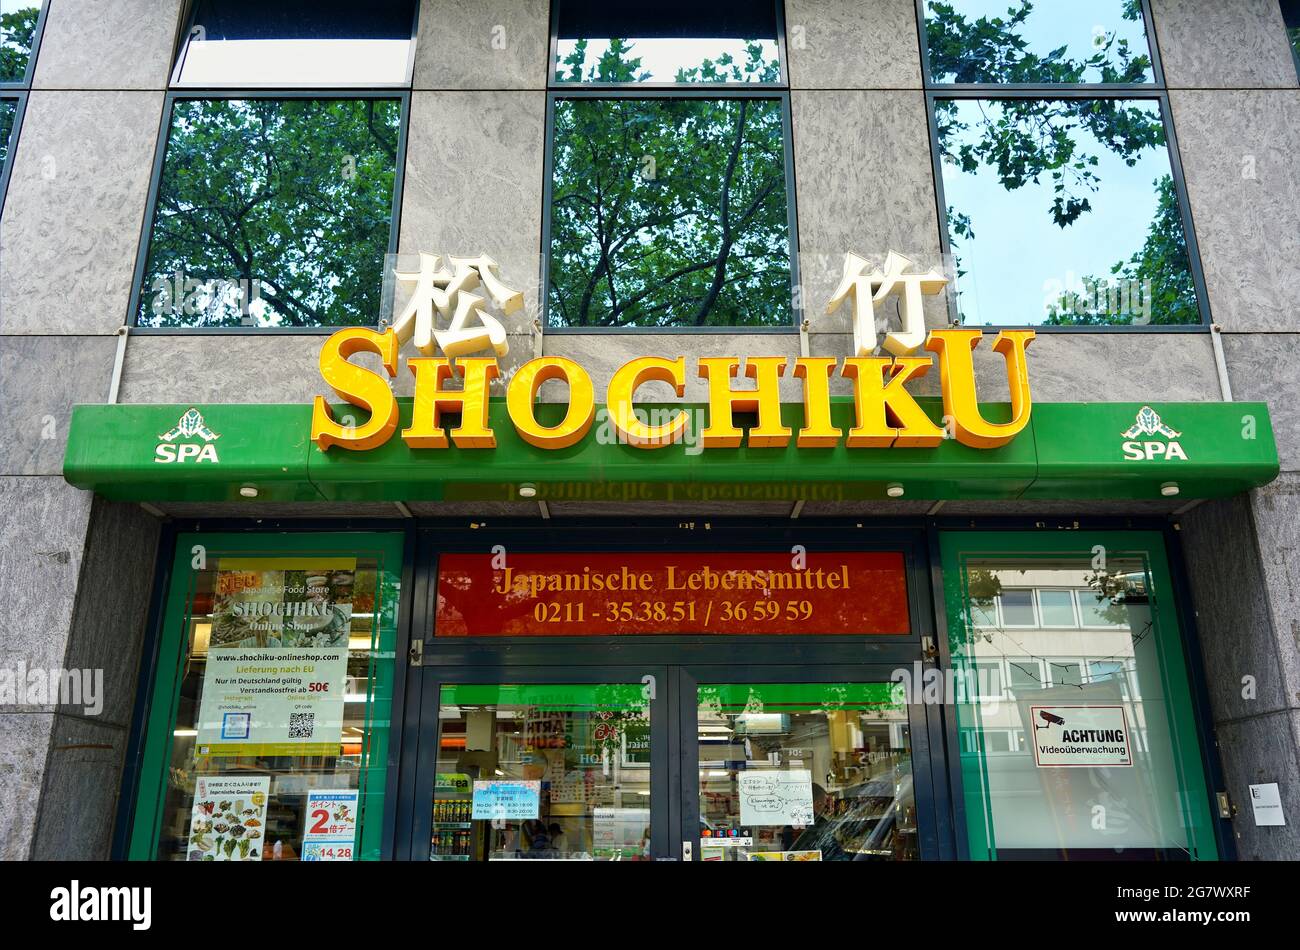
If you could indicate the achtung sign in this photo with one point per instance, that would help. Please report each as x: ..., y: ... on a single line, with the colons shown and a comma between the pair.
x: 1081, y: 736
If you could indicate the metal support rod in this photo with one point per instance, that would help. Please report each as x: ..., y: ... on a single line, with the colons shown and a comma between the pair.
x: 119, y: 360
x: 1220, y: 364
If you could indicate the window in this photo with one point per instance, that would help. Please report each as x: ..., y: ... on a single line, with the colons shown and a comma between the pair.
x: 1058, y: 180
x: 272, y: 213
x: 1017, y: 608
x: 20, y: 31
x: 1100, y: 609
x: 1036, y: 41
x: 274, y: 207
x: 1291, y: 16
x: 674, y: 41
x: 668, y: 206
x: 1025, y: 673
x: 307, y: 43
x: 1066, y: 673
x: 1056, y: 607
x: 8, y: 112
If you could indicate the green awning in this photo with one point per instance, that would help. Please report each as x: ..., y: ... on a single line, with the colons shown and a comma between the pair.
x: 1068, y: 451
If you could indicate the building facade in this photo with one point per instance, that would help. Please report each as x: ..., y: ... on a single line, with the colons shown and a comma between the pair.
x: 886, y: 618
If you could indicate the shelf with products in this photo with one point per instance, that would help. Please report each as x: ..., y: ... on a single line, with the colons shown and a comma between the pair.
x: 450, y: 844
x: 448, y: 810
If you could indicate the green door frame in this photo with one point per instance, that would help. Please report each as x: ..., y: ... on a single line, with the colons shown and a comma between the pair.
x: 146, y: 799
x: 927, y: 760
x: 1177, y: 668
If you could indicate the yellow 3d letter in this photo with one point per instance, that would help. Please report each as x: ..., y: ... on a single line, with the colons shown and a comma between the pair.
x: 886, y: 412
x: 622, y: 390
x: 359, y: 386
x: 957, y: 381
x: 523, y: 391
x: 817, y: 431
x: 764, y: 399
x: 425, y: 431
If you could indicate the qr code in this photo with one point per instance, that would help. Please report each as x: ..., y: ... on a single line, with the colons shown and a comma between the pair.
x: 302, y: 725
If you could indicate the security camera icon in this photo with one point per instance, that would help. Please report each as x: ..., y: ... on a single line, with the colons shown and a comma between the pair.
x: 1050, y: 718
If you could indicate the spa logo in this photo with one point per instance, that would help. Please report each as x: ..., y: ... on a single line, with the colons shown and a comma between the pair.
x: 189, y: 439
x: 1149, y: 423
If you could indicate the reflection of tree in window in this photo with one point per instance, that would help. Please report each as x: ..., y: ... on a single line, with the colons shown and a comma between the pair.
x: 17, y: 33
x: 287, y: 201
x: 8, y: 109
x: 668, y: 211
x: 1061, y: 145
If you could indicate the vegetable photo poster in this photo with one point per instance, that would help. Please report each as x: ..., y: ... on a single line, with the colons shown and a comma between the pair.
x: 277, y: 657
x: 228, y: 818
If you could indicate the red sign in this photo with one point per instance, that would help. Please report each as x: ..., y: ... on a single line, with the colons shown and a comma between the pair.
x: 608, y: 594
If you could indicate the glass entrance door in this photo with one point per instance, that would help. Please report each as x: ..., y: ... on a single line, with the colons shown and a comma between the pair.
x: 539, y: 764
x: 671, y: 763
x: 811, y: 769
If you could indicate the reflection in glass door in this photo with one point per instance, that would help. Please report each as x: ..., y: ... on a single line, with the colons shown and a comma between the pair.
x: 805, y: 772
x: 542, y: 771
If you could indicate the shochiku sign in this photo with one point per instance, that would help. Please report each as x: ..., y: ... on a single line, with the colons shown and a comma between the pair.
x: 886, y: 414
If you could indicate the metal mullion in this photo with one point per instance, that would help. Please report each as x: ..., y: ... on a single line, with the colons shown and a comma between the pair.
x: 1044, y: 91
x: 19, y: 97
x: 1153, y: 47
x: 1185, y: 213
x: 782, y: 54
x: 647, y: 91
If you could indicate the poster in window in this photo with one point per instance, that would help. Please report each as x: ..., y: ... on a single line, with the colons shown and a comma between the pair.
x: 228, y: 818
x: 277, y: 657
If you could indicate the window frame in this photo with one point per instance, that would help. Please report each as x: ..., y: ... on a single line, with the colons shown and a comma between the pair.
x: 1074, y: 607
x: 18, y: 90
x: 155, y: 181
x: 19, y: 98
x: 780, y: 92
x: 183, y: 40
x: 1156, y: 90
x: 25, y: 82
x: 142, y: 796
x: 956, y: 542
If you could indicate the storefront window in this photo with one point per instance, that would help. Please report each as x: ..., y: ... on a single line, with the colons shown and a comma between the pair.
x: 805, y: 772
x: 1092, y: 749
x: 669, y: 212
x: 733, y: 41
x: 238, y: 176
x: 303, y: 43
x: 268, y: 732
x: 18, y: 21
x: 550, y: 772
x: 1036, y: 41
